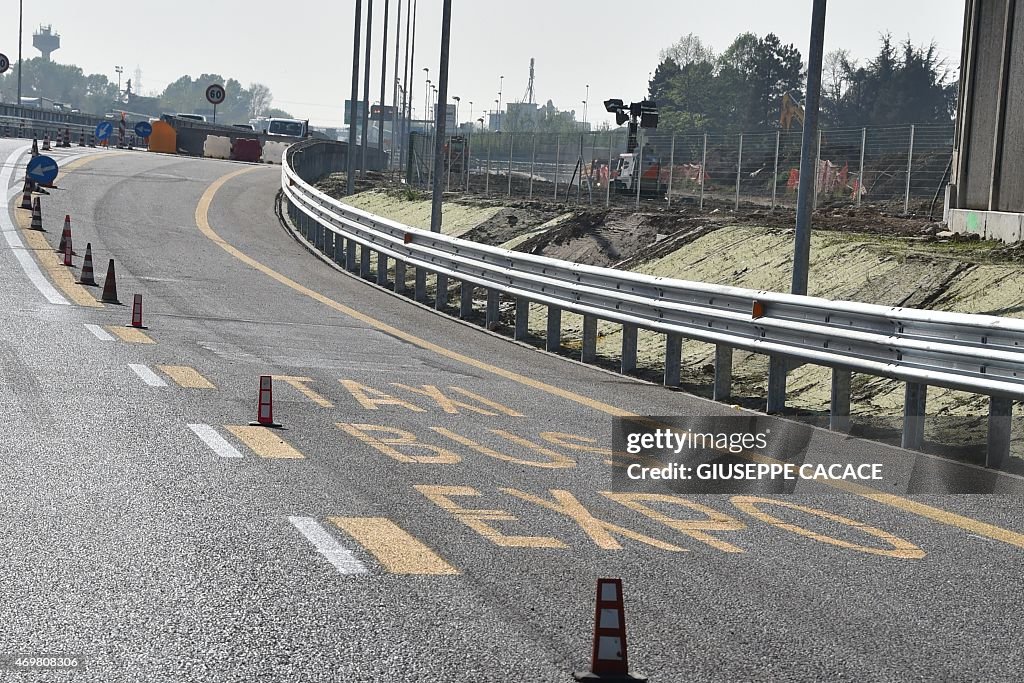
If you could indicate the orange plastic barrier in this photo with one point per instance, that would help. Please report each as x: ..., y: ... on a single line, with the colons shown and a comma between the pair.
x: 164, y: 138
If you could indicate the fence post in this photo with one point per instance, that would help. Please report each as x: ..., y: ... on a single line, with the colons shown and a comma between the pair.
x: 671, y: 167
x: 511, y: 144
x: 775, y: 175
x: 910, y: 160
x: 638, y: 171
x: 611, y: 167
x: 703, y: 170
x: 739, y: 171
x: 860, y: 177
x: 533, y: 161
x: 468, y: 158
x: 557, y: 150
x: 817, y: 171
x: 448, y: 177
x: 487, y: 179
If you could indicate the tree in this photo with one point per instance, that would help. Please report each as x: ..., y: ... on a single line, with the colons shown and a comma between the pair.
x: 259, y: 99
x: 687, y: 50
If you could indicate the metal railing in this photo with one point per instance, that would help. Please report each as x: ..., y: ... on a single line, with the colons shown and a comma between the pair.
x: 895, y: 168
x: 974, y: 353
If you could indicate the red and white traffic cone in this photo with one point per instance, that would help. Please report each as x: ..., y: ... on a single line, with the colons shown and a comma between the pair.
x: 65, y: 235
x: 67, y: 137
x: 35, y: 147
x: 137, y: 312
x: 110, y: 286
x: 81, y: 139
x: 88, y: 277
x: 265, y: 406
x: 46, y: 143
x: 608, y: 660
x: 37, y: 214
x: 26, y: 195
x: 67, y: 254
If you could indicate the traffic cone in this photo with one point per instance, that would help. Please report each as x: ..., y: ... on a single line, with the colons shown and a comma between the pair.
x: 37, y: 214
x: 67, y: 254
x: 26, y: 196
x: 137, y: 312
x: 65, y: 235
x: 608, y: 659
x: 35, y: 147
x: 265, y: 406
x: 81, y: 139
x: 67, y: 137
x: 46, y: 143
x: 88, y: 278
x: 92, y: 140
x: 110, y: 286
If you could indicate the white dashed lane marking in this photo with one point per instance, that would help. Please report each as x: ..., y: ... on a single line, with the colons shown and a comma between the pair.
x: 98, y: 332
x: 342, y: 559
x: 217, y: 443
x: 147, y: 375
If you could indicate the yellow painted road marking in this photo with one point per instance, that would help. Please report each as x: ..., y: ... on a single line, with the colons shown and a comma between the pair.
x: 132, y: 335
x: 397, y: 551
x: 203, y: 223
x: 186, y: 377
x: 300, y: 384
x: 61, y: 276
x: 264, y: 442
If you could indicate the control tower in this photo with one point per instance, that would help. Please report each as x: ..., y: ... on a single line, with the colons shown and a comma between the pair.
x: 46, y: 41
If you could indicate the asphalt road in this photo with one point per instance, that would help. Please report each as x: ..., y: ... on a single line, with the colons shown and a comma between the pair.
x: 438, y: 506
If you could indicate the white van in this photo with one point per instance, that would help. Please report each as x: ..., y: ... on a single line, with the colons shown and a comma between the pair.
x: 292, y: 128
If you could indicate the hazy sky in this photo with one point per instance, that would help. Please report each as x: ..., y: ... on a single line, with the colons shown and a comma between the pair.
x: 303, y: 50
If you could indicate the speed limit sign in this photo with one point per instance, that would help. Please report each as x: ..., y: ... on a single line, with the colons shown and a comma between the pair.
x: 5, y: 63
x: 215, y: 94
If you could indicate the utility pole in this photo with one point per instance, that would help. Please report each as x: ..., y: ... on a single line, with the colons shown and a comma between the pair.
x: 439, y: 125
x: 501, y: 86
x: 808, y: 174
x: 395, y: 140
x: 383, y: 81
x: 350, y: 152
x: 366, y: 87
x: 408, y: 83
x: 21, y: 12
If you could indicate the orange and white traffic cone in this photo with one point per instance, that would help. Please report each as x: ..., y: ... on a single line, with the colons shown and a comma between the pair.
x: 67, y: 254
x: 67, y: 137
x: 65, y: 235
x: 81, y: 139
x: 608, y: 660
x: 110, y: 286
x: 88, y: 277
x: 265, y: 406
x: 46, y: 143
x: 137, y: 312
x: 37, y: 214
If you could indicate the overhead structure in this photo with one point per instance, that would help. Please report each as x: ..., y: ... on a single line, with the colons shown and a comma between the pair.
x: 46, y: 41
x: 986, y: 191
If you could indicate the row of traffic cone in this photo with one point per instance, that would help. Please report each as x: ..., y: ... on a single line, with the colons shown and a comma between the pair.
x: 66, y: 250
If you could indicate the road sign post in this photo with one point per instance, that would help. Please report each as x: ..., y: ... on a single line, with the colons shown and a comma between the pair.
x: 215, y: 95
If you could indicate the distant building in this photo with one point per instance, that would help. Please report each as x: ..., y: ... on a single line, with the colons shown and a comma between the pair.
x: 46, y: 41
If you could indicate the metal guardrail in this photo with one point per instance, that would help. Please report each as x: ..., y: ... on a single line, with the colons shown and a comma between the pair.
x: 974, y: 353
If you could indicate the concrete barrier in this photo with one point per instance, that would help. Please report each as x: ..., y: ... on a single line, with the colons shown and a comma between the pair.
x: 217, y: 147
x: 272, y: 151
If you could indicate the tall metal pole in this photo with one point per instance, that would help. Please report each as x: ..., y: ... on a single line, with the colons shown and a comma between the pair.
x: 21, y: 12
x: 442, y: 112
x: 802, y: 241
x: 383, y: 80
x: 410, y: 69
x: 350, y: 152
x: 366, y: 87
x: 394, y: 93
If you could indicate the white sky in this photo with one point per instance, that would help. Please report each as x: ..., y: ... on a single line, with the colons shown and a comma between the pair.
x: 303, y: 50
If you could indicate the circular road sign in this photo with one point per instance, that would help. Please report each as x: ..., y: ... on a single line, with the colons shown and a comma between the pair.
x: 104, y: 130
x: 5, y: 63
x: 143, y: 129
x: 215, y: 94
x: 42, y: 169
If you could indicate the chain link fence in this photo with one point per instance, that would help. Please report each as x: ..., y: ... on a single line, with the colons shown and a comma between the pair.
x: 899, y: 168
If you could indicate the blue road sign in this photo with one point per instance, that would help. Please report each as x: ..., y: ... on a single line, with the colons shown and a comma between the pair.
x: 104, y: 130
x: 42, y: 170
x: 143, y: 129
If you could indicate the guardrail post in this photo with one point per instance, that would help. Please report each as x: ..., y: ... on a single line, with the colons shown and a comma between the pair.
x: 722, y: 390
x: 914, y: 403
x: 441, y: 295
x: 1000, y: 415
x: 839, y: 409
x: 382, y: 269
x: 522, y: 330
x: 628, y: 360
x: 420, y: 288
x: 776, y: 385
x: 465, y: 299
x: 350, y: 255
x: 588, y: 352
x: 364, y: 261
x: 399, y: 276
x: 673, y: 359
x: 491, y: 315
x: 554, y: 337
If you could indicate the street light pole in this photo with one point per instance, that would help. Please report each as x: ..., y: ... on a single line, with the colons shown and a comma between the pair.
x: 366, y: 88
x: 21, y: 9
x: 586, y: 101
x: 383, y: 82
x: 501, y: 86
x: 350, y: 151
x: 119, y: 70
x: 439, y: 125
x: 457, y: 100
